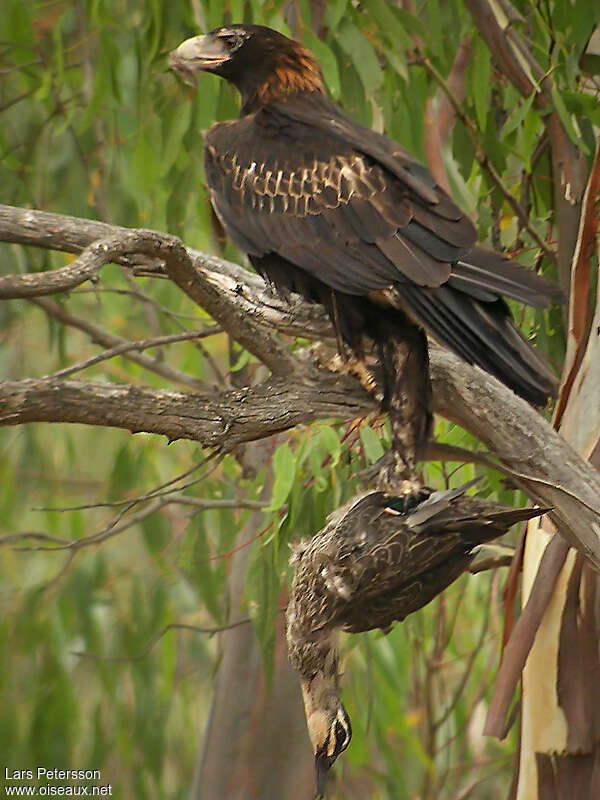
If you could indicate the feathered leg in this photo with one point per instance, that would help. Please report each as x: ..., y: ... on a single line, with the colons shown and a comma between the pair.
x: 407, y: 398
x: 400, y: 384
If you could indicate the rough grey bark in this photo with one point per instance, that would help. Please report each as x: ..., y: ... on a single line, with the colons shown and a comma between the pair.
x: 541, y: 462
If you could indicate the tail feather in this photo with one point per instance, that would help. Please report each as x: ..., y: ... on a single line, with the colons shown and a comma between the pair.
x: 477, y: 520
x: 485, y: 275
x: 482, y: 334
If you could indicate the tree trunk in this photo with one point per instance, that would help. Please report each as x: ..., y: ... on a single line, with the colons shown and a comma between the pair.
x: 255, y: 745
x: 560, y: 723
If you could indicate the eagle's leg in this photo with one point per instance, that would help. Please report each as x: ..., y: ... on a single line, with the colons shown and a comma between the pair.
x: 407, y: 398
x: 352, y: 359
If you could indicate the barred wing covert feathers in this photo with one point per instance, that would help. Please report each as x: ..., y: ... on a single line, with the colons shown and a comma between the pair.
x: 320, y: 203
x: 329, y: 208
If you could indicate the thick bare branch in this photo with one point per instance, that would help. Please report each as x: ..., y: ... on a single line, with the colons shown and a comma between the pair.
x: 233, y: 285
x: 539, y: 460
x: 222, y: 422
x: 523, y: 635
x: 252, y: 336
x: 186, y: 268
x: 87, y: 267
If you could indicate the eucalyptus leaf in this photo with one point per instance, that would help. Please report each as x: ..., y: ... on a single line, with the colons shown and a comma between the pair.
x: 284, y: 471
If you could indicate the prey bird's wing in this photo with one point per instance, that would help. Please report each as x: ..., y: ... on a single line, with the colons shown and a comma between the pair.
x: 377, y: 565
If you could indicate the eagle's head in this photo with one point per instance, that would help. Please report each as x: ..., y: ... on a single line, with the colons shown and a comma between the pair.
x: 261, y: 63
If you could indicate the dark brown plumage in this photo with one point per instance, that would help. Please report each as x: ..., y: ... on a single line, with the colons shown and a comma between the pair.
x: 347, y: 218
x: 373, y: 565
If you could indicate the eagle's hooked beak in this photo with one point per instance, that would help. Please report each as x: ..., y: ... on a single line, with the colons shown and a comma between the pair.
x: 200, y: 53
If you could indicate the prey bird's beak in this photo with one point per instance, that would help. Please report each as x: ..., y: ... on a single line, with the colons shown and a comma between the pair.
x: 200, y: 53
x: 322, y: 765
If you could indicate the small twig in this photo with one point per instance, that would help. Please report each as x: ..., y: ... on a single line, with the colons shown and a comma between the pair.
x: 119, y: 524
x: 458, y: 693
x: 491, y: 556
x: 153, y: 642
x: 157, y: 491
x: 203, y: 505
x: 106, y: 533
x: 9, y: 538
x: 61, y: 572
x: 17, y: 99
x: 18, y: 67
x: 238, y: 548
x: 483, y: 159
x: 110, y: 340
x: 126, y: 347
x: 175, y: 316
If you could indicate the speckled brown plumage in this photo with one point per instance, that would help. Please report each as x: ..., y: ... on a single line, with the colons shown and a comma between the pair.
x: 371, y: 565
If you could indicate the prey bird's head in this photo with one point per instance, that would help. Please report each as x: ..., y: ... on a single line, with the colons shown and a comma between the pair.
x: 328, y: 724
x: 261, y: 63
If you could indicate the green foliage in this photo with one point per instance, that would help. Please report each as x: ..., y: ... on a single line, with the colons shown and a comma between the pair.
x: 93, y: 124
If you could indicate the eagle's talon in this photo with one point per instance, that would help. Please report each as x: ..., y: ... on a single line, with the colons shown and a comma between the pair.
x: 409, y: 496
x: 345, y: 364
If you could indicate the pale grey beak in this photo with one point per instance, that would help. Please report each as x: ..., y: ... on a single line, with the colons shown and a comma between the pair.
x: 198, y: 54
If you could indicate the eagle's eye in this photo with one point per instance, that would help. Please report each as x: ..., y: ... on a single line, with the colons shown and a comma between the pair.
x: 232, y: 40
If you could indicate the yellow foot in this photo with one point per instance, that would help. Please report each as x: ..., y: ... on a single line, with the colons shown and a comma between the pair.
x: 405, y: 496
x: 352, y: 366
x: 367, y: 380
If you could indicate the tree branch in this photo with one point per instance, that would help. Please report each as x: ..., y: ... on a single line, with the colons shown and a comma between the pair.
x: 127, y: 346
x: 87, y: 267
x: 539, y: 460
x: 188, y: 269
x: 523, y: 635
x: 221, y: 422
x: 106, y: 339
